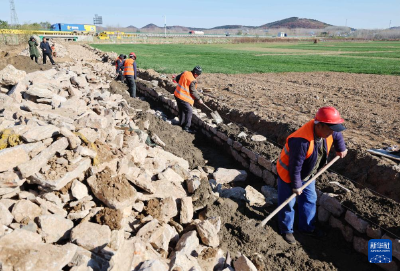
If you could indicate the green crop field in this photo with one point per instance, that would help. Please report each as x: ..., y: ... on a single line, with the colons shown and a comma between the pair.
x: 352, y: 57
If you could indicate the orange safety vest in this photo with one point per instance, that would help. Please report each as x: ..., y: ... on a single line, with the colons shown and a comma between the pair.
x: 182, y: 89
x: 306, y: 132
x: 128, y: 67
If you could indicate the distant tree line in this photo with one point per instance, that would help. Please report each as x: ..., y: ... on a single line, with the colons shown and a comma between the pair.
x: 26, y: 26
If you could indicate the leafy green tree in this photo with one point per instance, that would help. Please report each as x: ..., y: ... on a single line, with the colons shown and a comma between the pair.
x: 45, y: 25
x: 3, y: 24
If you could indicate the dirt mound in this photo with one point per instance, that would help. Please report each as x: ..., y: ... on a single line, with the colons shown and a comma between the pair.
x: 381, y: 211
x: 177, y: 141
x: 117, y: 87
x: 268, y: 250
x: 153, y: 208
x: 117, y: 188
x: 241, y: 234
x: 23, y: 63
x: 264, y: 148
x: 109, y: 217
x: 275, y: 105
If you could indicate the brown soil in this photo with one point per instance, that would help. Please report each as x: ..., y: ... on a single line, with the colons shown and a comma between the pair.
x: 66, y: 188
x: 208, y: 253
x: 240, y: 233
x: 275, y: 105
x: 56, y: 170
x: 153, y: 208
x: 116, y: 87
x: 113, y: 187
x: 104, y: 152
x: 367, y: 102
x: 24, y: 63
x: 238, y: 230
x: 109, y: 217
x: 265, y: 148
x: 375, y: 209
x: 177, y: 141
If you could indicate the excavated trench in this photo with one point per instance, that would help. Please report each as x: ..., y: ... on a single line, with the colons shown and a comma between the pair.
x: 239, y: 232
x: 377, y: 173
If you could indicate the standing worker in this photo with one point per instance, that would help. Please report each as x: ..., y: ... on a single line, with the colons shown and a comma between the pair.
x: 53, y: 50
x: 130, y: 73
x: 304, y: 153
x: 33, y: 50
x: 185, y: 95
x: 46, y: 51
x: 119, y: 65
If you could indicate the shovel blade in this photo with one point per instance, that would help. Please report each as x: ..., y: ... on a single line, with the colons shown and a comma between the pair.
x: 216, y: 117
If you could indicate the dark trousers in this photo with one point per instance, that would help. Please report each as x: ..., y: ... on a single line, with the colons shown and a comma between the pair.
x: 49, y: 56
x: 185, y: 113
x: 130, y: 81
x: 120, y: 77
x: 34, y: 57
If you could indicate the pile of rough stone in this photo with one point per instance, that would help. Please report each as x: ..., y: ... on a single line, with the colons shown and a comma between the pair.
x: 80, y: 188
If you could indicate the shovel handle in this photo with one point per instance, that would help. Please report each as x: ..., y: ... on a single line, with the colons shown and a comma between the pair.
x: 322, y: 170
x: 207, y: 107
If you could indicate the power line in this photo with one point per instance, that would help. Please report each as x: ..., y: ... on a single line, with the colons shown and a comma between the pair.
x: 14, y: 18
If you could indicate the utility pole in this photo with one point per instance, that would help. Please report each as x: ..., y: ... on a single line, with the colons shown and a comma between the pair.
x: 390, y: 22
x: 165, y: 26
x: 346, y: 23
x: 14, y: 17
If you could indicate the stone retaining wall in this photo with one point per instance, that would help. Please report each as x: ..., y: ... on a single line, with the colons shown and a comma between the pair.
x: 330, y: 211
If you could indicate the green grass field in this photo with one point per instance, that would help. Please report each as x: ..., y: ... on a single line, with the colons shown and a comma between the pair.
x: 352, y: 57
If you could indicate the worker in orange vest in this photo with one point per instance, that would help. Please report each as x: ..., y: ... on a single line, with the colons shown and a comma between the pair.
x: 53, y: 50
x: 305, y: 152
x: 130, y: 74
x: 119, y: 66
x: 185, y: 95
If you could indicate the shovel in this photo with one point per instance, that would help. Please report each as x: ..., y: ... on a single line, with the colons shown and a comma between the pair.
x: 215, y: 115
x: 322, y: 170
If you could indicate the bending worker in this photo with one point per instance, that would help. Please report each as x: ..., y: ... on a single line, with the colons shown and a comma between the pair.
x: 119, y: 64
x: 130, y: 74
x: 304, y: 153
x: 185, y: 95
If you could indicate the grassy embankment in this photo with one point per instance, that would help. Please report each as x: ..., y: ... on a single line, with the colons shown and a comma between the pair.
x: 352, y: 57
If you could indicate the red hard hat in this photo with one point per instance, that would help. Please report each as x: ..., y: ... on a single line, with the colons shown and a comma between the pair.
x: 132, y: 54
x: 328, y: 114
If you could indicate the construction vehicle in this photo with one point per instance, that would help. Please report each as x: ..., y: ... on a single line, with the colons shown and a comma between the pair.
x: 114, y: 35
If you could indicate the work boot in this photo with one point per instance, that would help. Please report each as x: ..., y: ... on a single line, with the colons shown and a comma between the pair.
x: 316, y: 233
x: 289, y: 238
x: 190, y: 131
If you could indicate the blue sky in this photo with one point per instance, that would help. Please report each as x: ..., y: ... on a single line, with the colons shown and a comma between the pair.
x: 367, y: 14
